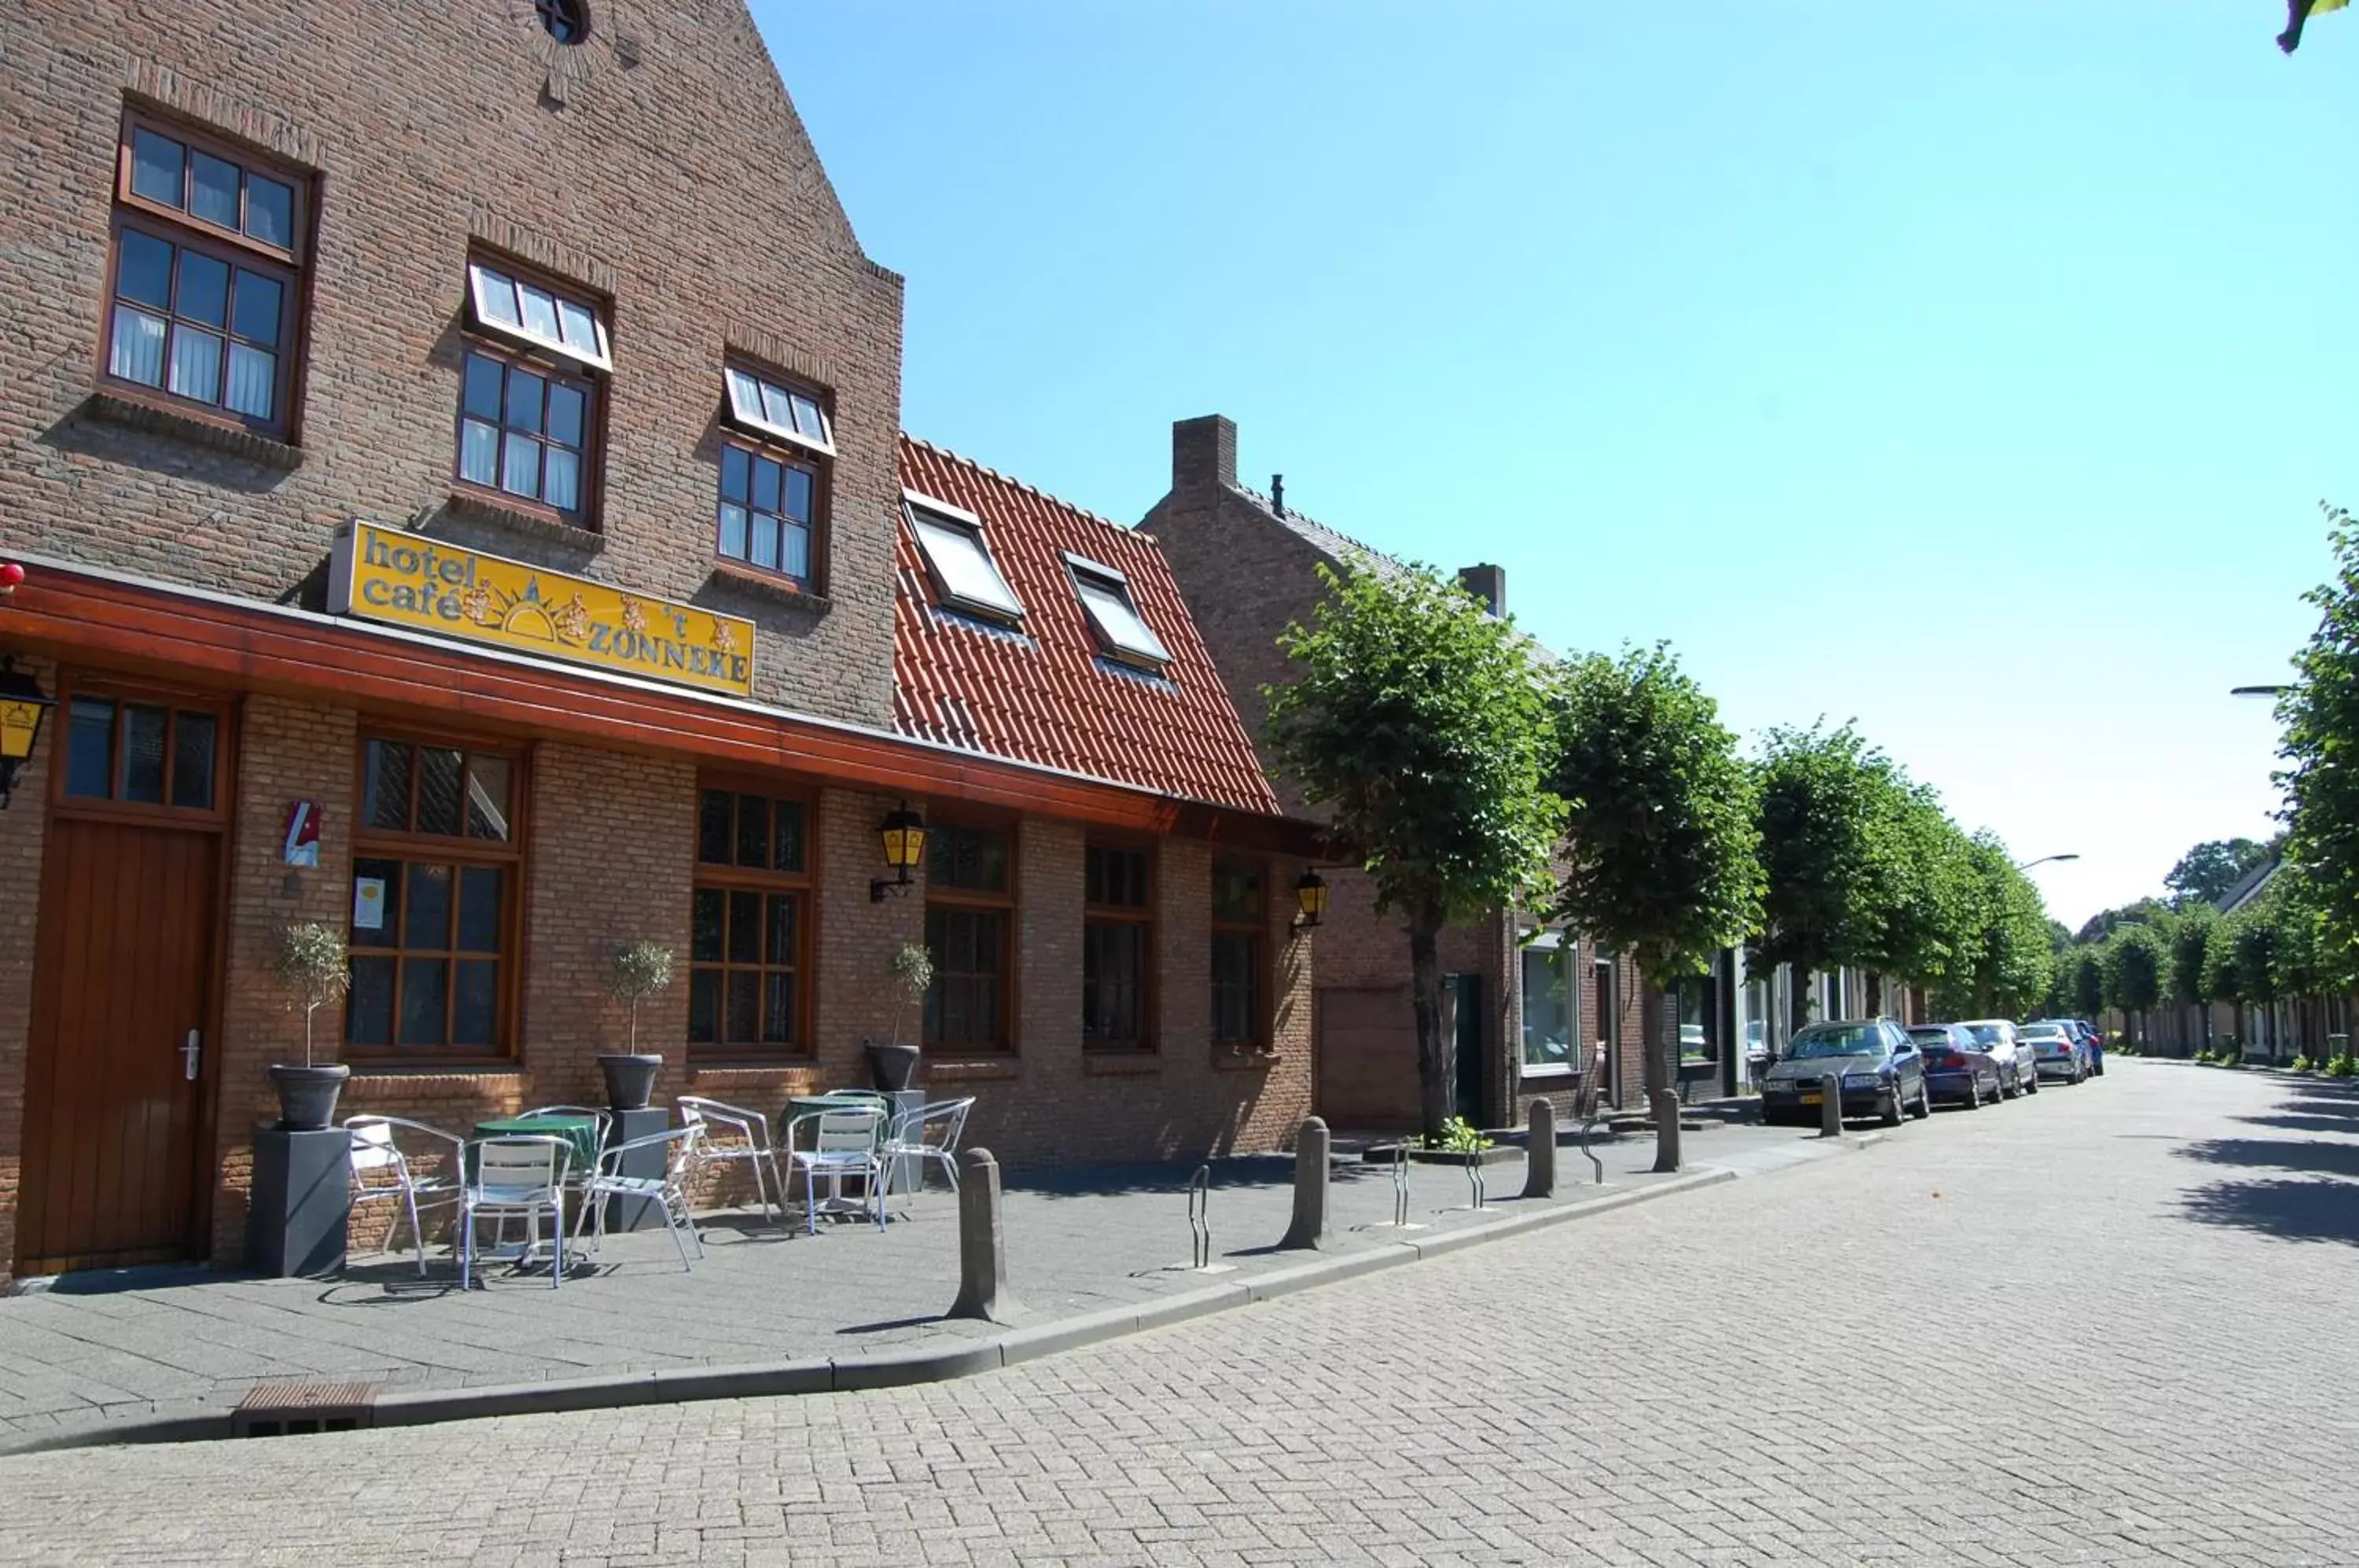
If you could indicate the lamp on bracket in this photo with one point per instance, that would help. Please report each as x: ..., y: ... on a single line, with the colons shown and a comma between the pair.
x: 23, y: 706
x: 1309, y: 902
x: 904, y: 849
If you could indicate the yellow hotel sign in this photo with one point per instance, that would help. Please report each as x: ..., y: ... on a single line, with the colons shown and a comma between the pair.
x: 431, y: 585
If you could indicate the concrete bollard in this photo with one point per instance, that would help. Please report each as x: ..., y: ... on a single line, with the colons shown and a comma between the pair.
x: 1667, y: 1130
x: 1831, y: 1106
x: 983, y: 1250
x: 1311, y: 1147
x: 1540, y: 1152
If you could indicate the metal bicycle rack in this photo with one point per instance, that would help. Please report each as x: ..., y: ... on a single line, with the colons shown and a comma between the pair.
x: 1199, y: 1225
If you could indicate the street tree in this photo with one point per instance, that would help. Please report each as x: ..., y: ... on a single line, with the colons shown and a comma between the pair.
x: 1832, y: 840
x: 2254, y: 950
x: 1661, y: 859
x: 2321, y: 749
x: 2206, y: 873
x: 2005, y: 958
x: 2222, y: 977
x: 1420, y: 724
x: 2088, y: 982
x: 2188, y: 980
x: 2135, y: 961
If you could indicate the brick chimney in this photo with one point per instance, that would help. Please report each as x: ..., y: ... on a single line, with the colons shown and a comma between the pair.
x: 1486, y: 582
x: 1203, y: 453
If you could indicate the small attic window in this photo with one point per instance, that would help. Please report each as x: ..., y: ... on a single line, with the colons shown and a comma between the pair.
x: 1106, y: 595
x: 788, y: 413
x: 958, y: 560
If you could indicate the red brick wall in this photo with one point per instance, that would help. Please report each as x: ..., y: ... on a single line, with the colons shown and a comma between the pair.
x: 682, y: 186
x: 20, y: 875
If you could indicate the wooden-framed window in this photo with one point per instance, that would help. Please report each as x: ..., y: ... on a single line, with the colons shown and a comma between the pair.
x: 142, y: 753
x: 530, y: 394
x: 1117, y: 948
x: 1240, y: 955
x: 204, y: 284
x: 749, y: 931
x: 438, y: 868
x: 970, y: 932
x: 772, y: 511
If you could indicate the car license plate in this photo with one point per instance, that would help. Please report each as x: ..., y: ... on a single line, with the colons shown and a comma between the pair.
x: 1813, y: 1099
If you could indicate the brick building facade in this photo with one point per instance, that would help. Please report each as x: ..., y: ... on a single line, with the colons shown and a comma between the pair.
x: 473, y: 433
x: 1249, y: 566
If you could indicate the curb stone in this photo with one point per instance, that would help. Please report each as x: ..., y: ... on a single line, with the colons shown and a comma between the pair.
x: 932, y: 1364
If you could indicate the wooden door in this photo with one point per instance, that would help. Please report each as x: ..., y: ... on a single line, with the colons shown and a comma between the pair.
x: 1367, y: 1058
x: 124, y: 968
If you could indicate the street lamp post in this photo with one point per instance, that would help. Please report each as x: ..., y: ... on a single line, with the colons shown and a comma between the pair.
x: 2044, y: 860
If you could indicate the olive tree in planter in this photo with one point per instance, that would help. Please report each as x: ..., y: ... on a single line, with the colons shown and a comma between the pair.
x: 637, y: 973
x: 911, y: 971
x: 314, y: 967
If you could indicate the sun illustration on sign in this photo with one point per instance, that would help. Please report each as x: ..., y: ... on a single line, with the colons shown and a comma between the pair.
x: 528, y: 614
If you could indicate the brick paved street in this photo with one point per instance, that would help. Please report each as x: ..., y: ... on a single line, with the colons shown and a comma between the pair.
x: 2104, y: 1326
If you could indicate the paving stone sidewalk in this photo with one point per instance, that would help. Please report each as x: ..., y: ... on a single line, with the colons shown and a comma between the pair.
x: 91, y: 1350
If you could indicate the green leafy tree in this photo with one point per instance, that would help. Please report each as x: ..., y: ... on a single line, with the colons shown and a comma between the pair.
x: 2188, y: 980
x: 1419, y: 723
x: 2255, y: 950
x: 2321, y: 749
x: 2206, y: 874
x: 1661, y: 855
x: 2134, y: 963
x: 2222, y: 977
x: 2005, y: 961
x: 2104, y: 922
x: 1833, y: 839
x: 2088, y: 982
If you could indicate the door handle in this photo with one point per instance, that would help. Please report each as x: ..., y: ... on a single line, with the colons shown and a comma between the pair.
x: 189, y: 1052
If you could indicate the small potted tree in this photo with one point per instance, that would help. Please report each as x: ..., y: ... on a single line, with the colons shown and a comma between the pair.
x: 637, y: 973
x: 910, y: 971
x: 312, y: 965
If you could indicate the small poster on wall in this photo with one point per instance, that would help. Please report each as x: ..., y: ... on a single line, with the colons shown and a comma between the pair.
x: 368, y: 903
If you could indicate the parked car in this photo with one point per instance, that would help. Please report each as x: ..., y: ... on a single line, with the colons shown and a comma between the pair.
x: 2093, y: 1040
x: 1956, y: 1066
x: 2018, y: 1074
x: 2057, y: 1052
x: 1883, y: 1074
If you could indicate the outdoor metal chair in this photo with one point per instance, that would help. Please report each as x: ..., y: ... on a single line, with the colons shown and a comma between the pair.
x: 607, y: 1182
x: 382, y: 1173
x: 844, y: 1140
x: 515, y: 1176
x: 734, y: 1135
x: 928, y: 1135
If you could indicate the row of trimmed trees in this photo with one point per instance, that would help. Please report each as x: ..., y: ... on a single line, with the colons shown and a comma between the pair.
x: 1466, y: 771
x: 2158, y: 959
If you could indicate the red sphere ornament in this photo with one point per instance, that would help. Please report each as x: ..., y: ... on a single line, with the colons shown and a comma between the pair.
x: 11, y: 574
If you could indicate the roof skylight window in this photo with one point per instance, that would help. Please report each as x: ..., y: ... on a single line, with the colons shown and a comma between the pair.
x: 1105, y: 597
x: 958, y: 560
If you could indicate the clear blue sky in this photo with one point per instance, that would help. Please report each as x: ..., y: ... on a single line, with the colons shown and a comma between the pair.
x: 1972, y: 368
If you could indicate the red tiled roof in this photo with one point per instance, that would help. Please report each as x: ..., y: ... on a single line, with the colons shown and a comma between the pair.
x: 1045, y: 696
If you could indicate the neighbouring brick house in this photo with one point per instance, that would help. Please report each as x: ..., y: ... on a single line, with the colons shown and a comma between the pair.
x: 1526, y: 993
x: 471, y: 434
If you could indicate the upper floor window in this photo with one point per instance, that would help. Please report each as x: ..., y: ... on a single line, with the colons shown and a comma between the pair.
x: 774, y: 477
x: 205, y: 279
x: 958, y: 558
x: 1114, y: 616
x: 528, y: 398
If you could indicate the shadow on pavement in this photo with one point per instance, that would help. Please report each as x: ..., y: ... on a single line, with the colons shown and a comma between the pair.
x: 2313, y: 1155
x: 1110, y: 1180
x: 2305, y: 1123
x: 2287, y: 1208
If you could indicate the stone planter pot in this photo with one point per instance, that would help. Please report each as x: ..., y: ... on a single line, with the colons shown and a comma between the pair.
x: 307, y: 1095
x: 892, y: 1065
x: 630, y: 1079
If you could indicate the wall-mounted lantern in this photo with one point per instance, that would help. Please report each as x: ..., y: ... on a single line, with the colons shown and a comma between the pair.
x: 1309, y: 901
x: 23, y: 706
x: 905, y: 850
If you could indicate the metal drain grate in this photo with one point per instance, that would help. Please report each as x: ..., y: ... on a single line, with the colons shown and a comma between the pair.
x: 310, y: 1405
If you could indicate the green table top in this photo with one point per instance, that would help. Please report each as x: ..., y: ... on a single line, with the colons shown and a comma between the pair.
x: 581, y: 1132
